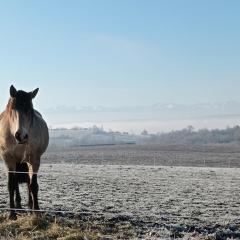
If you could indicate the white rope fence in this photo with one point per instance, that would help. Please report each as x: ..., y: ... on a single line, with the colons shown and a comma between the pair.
x: 171, y: 177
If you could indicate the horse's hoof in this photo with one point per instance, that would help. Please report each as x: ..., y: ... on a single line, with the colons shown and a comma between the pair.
x: 12, y: 216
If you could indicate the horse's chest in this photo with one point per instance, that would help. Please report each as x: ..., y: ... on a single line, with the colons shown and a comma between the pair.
x: 19, y: 150
x: 15, y: 153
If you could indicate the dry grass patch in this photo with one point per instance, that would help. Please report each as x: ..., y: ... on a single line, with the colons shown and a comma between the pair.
x: 46, y: 227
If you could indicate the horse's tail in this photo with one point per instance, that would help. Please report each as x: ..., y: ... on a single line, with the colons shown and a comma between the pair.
x: 22, y: 176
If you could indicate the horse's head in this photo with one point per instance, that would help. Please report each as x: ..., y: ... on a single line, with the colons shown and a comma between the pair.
x: 21, y: 112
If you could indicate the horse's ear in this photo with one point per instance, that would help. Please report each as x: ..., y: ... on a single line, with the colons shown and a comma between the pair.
x: 34, y: 93
x: 13, y: 91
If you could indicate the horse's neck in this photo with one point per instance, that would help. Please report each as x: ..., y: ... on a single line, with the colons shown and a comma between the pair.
x: 37, y: 113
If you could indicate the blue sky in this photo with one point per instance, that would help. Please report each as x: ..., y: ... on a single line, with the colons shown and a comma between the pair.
x: 121, y: 53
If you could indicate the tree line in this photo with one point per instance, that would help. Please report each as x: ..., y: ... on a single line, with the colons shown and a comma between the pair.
x: 191, y: 136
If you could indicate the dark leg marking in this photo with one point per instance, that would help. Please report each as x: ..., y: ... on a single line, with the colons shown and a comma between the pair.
x: 18, y: 197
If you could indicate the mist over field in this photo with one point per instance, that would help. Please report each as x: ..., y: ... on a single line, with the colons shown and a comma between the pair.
x: 160, y: 117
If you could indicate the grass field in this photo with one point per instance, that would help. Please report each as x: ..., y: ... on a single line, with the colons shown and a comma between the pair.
x: 138, y: 192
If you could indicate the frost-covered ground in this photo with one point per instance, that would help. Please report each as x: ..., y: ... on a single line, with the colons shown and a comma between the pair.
x: 157, y: 195
x: 197, y: 156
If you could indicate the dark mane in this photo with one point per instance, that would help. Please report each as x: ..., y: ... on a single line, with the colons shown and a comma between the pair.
x: 22, y: 102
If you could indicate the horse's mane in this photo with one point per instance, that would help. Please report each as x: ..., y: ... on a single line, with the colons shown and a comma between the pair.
x: 1, y: 115
x: 11, y: 105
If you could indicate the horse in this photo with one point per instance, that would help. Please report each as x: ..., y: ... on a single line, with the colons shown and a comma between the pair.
x: 24, y: 137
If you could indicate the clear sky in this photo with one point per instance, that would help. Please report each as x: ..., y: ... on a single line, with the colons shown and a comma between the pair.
x: 121, y: 53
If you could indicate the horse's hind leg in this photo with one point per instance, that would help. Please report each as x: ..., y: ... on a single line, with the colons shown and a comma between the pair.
x: 18, y: 197
x: 11, y: 189
x: 34, y: 191
x: 33, y: 186
x: 30, y: 201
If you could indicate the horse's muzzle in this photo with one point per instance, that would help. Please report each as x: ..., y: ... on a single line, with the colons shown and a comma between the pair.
x: 22, y: 142
x: 20, y: 139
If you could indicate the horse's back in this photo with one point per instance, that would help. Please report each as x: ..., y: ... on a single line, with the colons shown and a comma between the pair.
x: 37, y: 113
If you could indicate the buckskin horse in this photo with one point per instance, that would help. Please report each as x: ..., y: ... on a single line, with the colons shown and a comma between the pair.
x: 24, y: 138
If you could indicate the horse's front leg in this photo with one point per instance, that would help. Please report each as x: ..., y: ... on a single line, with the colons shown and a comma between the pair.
x: 11, y: 189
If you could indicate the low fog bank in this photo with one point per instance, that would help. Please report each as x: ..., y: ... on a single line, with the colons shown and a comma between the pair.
x: 154, y: 118
x: 63, y: 137
x: 154, y: 126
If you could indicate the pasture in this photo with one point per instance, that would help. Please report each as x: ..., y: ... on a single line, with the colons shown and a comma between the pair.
x: 157, y: 191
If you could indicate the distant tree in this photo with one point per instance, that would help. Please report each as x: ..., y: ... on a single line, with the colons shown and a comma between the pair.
x: 97, y: 130
x: 144, y: 132
x: 236, y: 134
x: 190, y: 128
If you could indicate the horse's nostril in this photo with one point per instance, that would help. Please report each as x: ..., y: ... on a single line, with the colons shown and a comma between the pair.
x: 18, y: 136
x: 26, y: 136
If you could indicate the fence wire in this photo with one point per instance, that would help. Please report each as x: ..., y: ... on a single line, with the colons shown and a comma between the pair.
x: 172, y: 178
